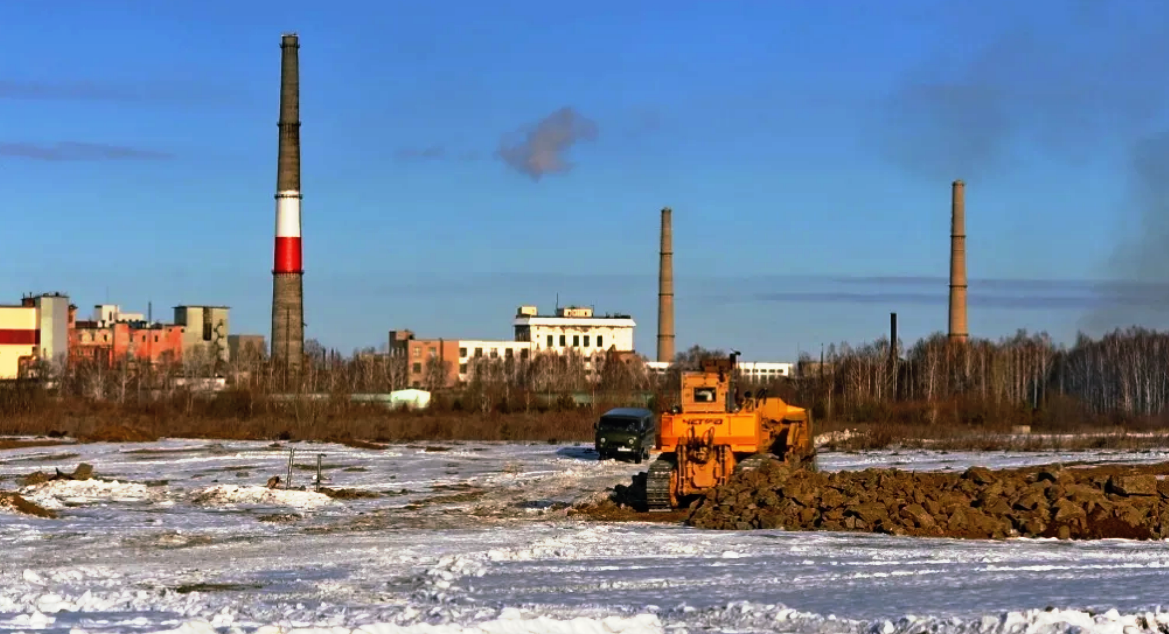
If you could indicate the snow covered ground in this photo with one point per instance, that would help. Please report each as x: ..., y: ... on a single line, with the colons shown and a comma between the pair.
x: 473, y: 538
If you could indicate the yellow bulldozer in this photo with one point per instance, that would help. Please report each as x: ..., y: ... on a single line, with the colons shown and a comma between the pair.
x: 714, y: 432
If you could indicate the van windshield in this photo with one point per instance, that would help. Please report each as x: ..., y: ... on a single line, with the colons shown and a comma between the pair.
x: 618, y: 423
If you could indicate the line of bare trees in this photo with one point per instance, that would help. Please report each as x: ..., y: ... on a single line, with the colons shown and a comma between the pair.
x: 1123, y: 377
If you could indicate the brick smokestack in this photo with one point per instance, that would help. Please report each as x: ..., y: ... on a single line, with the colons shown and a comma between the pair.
x: 666, y: 290
x: 958, y: 330
x: 288, y: 270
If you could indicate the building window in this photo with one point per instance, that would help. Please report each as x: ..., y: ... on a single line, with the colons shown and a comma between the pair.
x: 417, y: 368
x: 575, y: 341
x: 478, y: 352
x: 600, y: 341
x: 586, y: 341
x: 494, y: 353
x: 550, y: 344
x: 507, y: 352
x: 462, y: 368
x: 563, y: 340
x: 155, y: 338
x: 417, y: 353
x: 430, y: 352
x: 462, y: 353
x: 524, y: 353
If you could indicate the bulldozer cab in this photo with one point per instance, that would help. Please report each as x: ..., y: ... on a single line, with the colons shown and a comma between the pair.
x: 707, y: 390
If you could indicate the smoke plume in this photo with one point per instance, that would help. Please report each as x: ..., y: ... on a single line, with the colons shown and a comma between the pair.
x: 74, y: 151
x: 541, y: 148
x: 1072, y: 86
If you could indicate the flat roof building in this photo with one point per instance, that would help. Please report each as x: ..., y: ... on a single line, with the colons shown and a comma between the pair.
x: 760, y: 371
x: 37, y: 329
x: 571, y: 328
x: 576, y: 328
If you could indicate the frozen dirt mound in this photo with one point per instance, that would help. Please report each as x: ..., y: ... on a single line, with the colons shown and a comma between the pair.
x: 13, y: 502
x: 979, y: 504
x: 231, y: 494
x: 56, y: 494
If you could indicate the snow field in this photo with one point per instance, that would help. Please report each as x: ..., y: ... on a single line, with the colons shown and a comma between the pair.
x: 174, y: 539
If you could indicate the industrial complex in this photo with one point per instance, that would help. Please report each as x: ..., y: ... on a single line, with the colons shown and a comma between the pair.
x: 45, y: 328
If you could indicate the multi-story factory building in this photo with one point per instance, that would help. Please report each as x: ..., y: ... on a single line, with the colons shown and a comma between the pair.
x: 112, y: 335
x: 35, y: 330
x: 571, y: 329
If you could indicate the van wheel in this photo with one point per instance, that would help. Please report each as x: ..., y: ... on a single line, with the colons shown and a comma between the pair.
x: 640, y: 456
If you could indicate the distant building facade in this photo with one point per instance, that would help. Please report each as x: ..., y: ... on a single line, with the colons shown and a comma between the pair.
x: 206, y: 327
x: 35, y: 330
x: 111, y: 336
x: 574, y: 328
x: 244, y: 348
x: 570, y: 329
x: 756, y: 371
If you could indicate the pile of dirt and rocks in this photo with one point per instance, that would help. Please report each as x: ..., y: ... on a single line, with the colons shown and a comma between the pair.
x: 1068, y: 503
x: 17, y: 503
x: 82, y: 472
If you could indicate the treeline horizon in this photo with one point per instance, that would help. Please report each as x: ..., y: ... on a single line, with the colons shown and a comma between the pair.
x: 1118, y: 380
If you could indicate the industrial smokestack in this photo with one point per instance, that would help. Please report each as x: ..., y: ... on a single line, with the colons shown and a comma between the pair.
x: 893, y: 337
x: 893, y: 357
x: 288, y: 271
x: 958, y: 331
x: 666, y: 290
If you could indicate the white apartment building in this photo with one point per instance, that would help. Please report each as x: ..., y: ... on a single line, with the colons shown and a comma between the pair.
x: 571, y: 328
x: 574, y: 328
x: 761, y: 371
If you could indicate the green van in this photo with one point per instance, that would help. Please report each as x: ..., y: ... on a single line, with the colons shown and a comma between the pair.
x: 625, y: 432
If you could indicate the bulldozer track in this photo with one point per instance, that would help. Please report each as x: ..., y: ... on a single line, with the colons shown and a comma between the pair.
x: 657, y: 484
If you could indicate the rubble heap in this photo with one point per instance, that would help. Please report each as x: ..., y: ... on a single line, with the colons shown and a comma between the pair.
x: 980, y: 503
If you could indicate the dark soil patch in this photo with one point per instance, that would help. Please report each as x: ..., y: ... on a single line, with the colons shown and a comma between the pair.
x: 56, y: 457
x: 362, y: 444
x: 216, y: 587
x: 349, y: 494
x: 18, y: 443
x: 163, y: 452
x: 17, y: 503
x: 429, y: 448
x: 279, y: 518
x: 468, y: 495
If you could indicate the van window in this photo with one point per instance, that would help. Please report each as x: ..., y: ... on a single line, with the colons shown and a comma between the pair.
x: 621, y: 423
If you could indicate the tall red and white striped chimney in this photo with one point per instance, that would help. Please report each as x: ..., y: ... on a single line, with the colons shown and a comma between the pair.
x: 288, y: 268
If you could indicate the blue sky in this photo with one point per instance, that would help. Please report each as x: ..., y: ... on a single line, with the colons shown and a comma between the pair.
x: 807, y: 150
